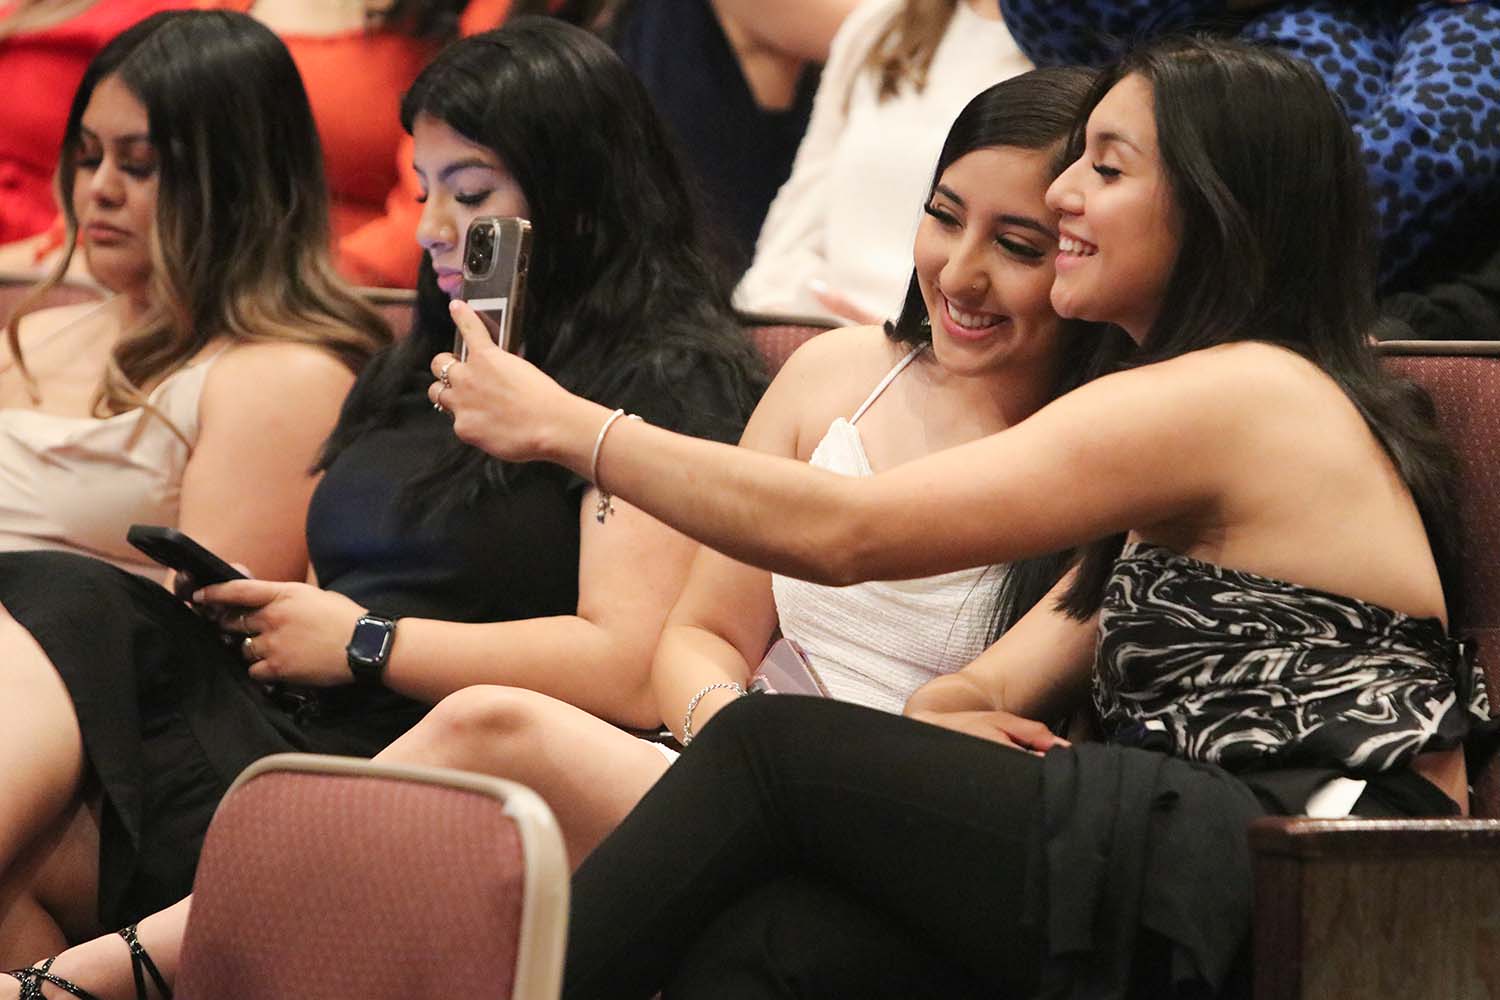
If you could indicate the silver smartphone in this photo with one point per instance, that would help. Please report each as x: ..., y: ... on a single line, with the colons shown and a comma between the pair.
x: 497, y: 255
x: 785, y: 670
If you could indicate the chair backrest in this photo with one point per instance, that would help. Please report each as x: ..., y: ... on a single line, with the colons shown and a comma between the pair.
x: 1463, y: 379
x: 326, y: 878
x: 776, y: 337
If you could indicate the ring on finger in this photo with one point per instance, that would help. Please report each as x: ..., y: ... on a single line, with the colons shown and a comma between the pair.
x: 247, y: 644
x: 443, y: 372
x: 437, y: 401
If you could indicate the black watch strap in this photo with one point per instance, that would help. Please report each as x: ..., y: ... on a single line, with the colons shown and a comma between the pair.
x: 369, y: 648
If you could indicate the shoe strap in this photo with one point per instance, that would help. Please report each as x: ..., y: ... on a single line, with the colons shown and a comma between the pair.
x: 140, y: 960
x: 32, y: 979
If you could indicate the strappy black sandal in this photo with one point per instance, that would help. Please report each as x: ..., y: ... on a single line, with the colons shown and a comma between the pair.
x: 32, y: 978
x: 140, y: 964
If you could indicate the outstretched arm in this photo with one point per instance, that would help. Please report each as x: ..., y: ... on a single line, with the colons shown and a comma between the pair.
x: 1073, y: 472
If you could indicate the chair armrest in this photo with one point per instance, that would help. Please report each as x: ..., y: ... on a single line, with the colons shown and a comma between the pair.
x: 1367, y: 908
x: 1301, y: 837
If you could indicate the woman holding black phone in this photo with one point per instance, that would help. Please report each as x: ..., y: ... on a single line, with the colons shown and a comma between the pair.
x: 438, y: 566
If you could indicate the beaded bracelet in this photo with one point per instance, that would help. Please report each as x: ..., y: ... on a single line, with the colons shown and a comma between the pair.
x: 687, y: 718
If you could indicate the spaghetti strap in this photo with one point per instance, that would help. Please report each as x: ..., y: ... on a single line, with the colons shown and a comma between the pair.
x: 890, y: 377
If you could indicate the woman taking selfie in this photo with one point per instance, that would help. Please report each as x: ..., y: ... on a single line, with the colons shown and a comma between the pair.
x: 462, y: 569
x: 1254, y: 652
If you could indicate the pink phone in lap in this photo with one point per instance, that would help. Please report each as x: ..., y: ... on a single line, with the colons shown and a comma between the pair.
x: 785, y: 670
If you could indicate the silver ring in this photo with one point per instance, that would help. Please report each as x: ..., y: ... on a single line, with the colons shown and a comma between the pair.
x: 437, y: 403
x: 248, y: 645
x: 443, y: 372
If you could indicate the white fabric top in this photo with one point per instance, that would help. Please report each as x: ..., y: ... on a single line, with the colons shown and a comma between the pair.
x: 78, y: 483
x: 849, y: 210
x: 875, y: 643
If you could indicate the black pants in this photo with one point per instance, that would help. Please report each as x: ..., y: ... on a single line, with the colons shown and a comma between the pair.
x: 817, y: 849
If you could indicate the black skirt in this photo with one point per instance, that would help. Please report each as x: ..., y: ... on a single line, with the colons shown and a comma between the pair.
x: 168, y: 717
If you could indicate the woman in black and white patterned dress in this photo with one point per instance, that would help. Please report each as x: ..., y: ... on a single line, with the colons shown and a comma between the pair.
x: 1269, y: 525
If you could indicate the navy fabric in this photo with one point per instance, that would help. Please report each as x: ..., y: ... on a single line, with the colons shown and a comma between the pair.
x: 739, y: 152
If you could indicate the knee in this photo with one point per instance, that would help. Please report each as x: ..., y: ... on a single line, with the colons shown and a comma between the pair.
x: 480, y: 721
x: 484, y: 711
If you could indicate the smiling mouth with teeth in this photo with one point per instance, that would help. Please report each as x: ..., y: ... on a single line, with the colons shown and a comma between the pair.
x: 968, y: 320
x: 1077, y: 248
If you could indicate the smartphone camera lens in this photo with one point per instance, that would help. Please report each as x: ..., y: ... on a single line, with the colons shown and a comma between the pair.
x: 481, y: 249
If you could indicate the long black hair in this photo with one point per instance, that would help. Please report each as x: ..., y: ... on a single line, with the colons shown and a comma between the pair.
x: 1277, y: 245
x: 1035, y: 110
x: 618, y: 284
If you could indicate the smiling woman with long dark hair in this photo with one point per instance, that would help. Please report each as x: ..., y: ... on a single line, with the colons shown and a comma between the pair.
x: 1248, y: 648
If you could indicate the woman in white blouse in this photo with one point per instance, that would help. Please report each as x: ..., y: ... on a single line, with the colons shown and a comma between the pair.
x: 837, y: 240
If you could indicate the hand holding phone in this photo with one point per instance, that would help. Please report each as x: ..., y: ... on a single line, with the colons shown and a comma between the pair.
x: 497, y: 255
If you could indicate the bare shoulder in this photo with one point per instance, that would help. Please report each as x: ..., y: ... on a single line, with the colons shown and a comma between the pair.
x: 47, y: 321
x: 1229, y: 376
x: 855, y: 357
x: 830, y: 375
x: 302, y: 376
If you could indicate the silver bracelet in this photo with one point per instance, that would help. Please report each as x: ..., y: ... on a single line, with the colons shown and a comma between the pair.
x: 687, y: 717
x: 606, y: 505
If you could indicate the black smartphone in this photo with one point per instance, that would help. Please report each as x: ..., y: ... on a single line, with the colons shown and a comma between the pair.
x: 174, y: 550
x: 497, y: 255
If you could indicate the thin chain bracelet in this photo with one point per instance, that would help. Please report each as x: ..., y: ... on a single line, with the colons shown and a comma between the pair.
x: 687, y: 717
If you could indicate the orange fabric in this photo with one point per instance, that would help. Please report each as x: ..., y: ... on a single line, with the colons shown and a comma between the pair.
x: 39, y: 71
x: 383, y: 251
x: 354, y: 83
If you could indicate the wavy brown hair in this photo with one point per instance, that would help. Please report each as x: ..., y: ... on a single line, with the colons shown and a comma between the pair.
x: 902, y: 52
x: 240, y: 245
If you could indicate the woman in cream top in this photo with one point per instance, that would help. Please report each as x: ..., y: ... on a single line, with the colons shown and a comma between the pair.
x: 199, y: 394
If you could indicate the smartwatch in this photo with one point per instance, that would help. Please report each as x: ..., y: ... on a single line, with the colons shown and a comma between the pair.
x: 369, y: 648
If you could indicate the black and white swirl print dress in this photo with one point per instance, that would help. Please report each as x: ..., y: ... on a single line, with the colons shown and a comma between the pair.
x: 1249, y: 673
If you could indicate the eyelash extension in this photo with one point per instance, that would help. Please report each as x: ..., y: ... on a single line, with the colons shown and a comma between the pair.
x: 1020, y: 249
x: 472, y: 199
x: 942, y: 215
x: 1108, y: 173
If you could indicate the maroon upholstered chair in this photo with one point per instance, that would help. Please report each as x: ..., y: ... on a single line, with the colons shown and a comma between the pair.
x: 776, y: 337
x: 330, y: 878
x: 1356, y: 908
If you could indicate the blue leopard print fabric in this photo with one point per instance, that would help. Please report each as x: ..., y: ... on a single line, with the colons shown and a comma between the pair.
x: 1420, y: 83
x: 1246, y: 672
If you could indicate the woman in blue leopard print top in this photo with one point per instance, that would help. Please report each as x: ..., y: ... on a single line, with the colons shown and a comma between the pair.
x: 1420, y: 83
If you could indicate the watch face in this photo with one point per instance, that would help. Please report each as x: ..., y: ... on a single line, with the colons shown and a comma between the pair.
x: 369, y: 640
